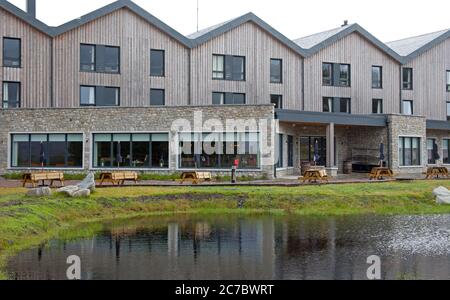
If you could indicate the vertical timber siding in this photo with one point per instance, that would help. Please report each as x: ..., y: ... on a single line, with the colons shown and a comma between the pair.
x: 258, y: 47
x: 34, y: 74
x: 429, y: 82
x: 135, y: 37
x: 361, y: 55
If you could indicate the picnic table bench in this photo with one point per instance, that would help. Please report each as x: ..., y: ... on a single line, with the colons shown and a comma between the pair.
x: 379, y: 173
x: 436, y: 172
x: 118, y: 178
x: 35, y: 178
x: 195, y: 177
x: 315, y: 175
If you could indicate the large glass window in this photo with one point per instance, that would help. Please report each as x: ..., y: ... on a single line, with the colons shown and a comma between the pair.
x: 290, y: 143
x: 328, y: 104
x: 409, y: 151
x: 276, y: 70
x: 157, y: 97
x: 12, y: 52
x: 280, y: 151
x: 431, y: 147
x: 377, y: 77
x: 308, y: 147
x: 99, y: 96
x: 125, y: 150
x: 228, y: 98
x: 277, y: 100
x: 219, y: 150
x: 228, y: 67
x: 448, y: 81
x: 407, y: 78
x: 340, y: 105
x: 407, y: 107
x: 345, y: 106
x: 87, y: 57
x: 157, y: 63
x: 99, y: 58
x: 446, y: 151
x: 11, y: 94
x: 47, y: 151
x: 344, y: 75
x: 377, y: 106
x: 448, y: 111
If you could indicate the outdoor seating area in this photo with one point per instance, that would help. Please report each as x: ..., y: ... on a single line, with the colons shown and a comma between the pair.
x: 118, y: 178
x: 196, y: 177
x: 380, y: 173
x: 436, y: 172
x: 35, y: 178
x: 315, y: 175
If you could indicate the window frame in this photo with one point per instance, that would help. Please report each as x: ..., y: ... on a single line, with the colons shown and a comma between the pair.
x: 163, y: 62
x: 380, y: 86
x: 331, y: 74
x: 281, y: 70
x: 224, y: 96
x: 4, y: 51
x: 447, y: 103
x: 349, y: 82
x: 101, y: 70
x: 376, y: 101
x: 446, y: 144
x: 447, y: 80
x: 279, y: 104
x: 412, y: 107
x: 97, y: 92
x: 232, y: 72
x: 410, y: 85
x: 19, y: 91
x: 163, y: 95
x: 430, y: 160
x: 95, y: 58
x: 402, y: 142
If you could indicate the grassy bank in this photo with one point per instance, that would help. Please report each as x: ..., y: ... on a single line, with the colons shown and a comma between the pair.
x: 25, y: 222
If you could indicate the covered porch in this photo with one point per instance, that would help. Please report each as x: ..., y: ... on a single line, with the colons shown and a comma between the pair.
x: 344, y: 143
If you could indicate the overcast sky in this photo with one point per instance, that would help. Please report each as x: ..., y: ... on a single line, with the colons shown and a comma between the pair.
x: 386, y: 19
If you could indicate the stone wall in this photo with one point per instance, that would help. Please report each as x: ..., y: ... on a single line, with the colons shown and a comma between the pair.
x: 407, y: 126
x: 110, y: 120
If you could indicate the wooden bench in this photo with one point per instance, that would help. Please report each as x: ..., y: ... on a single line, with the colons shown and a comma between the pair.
x: 118, y: 178
x: 379, y: 173
x: 315, y: 175
x: 196, y: 177
x: 35, y: 178
x: 436, y: 172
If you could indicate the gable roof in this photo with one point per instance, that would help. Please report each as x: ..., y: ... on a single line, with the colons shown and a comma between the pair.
x: 55, y: 31
x: 412, y: 47
x: 207, y: 34
x: 316, y: 42
x: 22, y: 15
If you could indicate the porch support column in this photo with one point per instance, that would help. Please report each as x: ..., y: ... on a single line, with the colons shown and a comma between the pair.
x: 330, y: 146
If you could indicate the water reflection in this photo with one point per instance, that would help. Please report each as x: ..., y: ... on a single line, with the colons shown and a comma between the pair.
x: 250, y: 247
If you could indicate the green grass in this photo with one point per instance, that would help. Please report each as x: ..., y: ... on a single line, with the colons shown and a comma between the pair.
x: 26, y: 222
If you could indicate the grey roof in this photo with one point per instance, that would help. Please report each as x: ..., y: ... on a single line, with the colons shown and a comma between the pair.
x: 438, y: 125
x: 55, y: 31
x: 412, y: 47
x: 298, y: 116
x: 25, y: 17
x: 319, y: 41
x: 207, y: 34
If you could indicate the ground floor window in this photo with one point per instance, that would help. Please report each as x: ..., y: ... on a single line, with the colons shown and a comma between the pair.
x: 127, y: 150
x: 409, y: 151
x: 432, y: 151
x: 446, y: 151
x: 310, y: 145
x: 47, y: 150
x: 290, y: 144
x: 280, y: 153
x: 219, y: 150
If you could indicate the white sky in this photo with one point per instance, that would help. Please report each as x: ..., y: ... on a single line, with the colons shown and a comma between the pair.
x: 386, y: 19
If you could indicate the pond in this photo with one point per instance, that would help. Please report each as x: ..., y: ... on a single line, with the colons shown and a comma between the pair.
x: 239, y: 247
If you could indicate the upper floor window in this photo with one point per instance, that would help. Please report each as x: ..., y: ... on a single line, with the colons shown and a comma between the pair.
x: 276, y: 70
x: 377, y: 106
x: 407, y: 107
x: 157, y: 63
x: 407, y: 78
x: 228, y: 98
x: 327, y: 74
x: 11, y: 94
x: 448, y: 111
x: 448, y: 81
x: 12, y: 52
x: 229, y: 67
x: 157, y: 97
x: 277, y: 100
x: 377, y: 77
x: 99, y: 58
x: 336, y: 74
x: 99, y: 96
x: 337, y: 105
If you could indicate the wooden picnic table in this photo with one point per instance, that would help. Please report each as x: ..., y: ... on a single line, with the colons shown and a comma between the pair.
x: 379, y: 173
x: 195, y: 177
x: 436, y: 172
x: 118, y: 178
x: 315, y: 175
x: 35, y: 178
